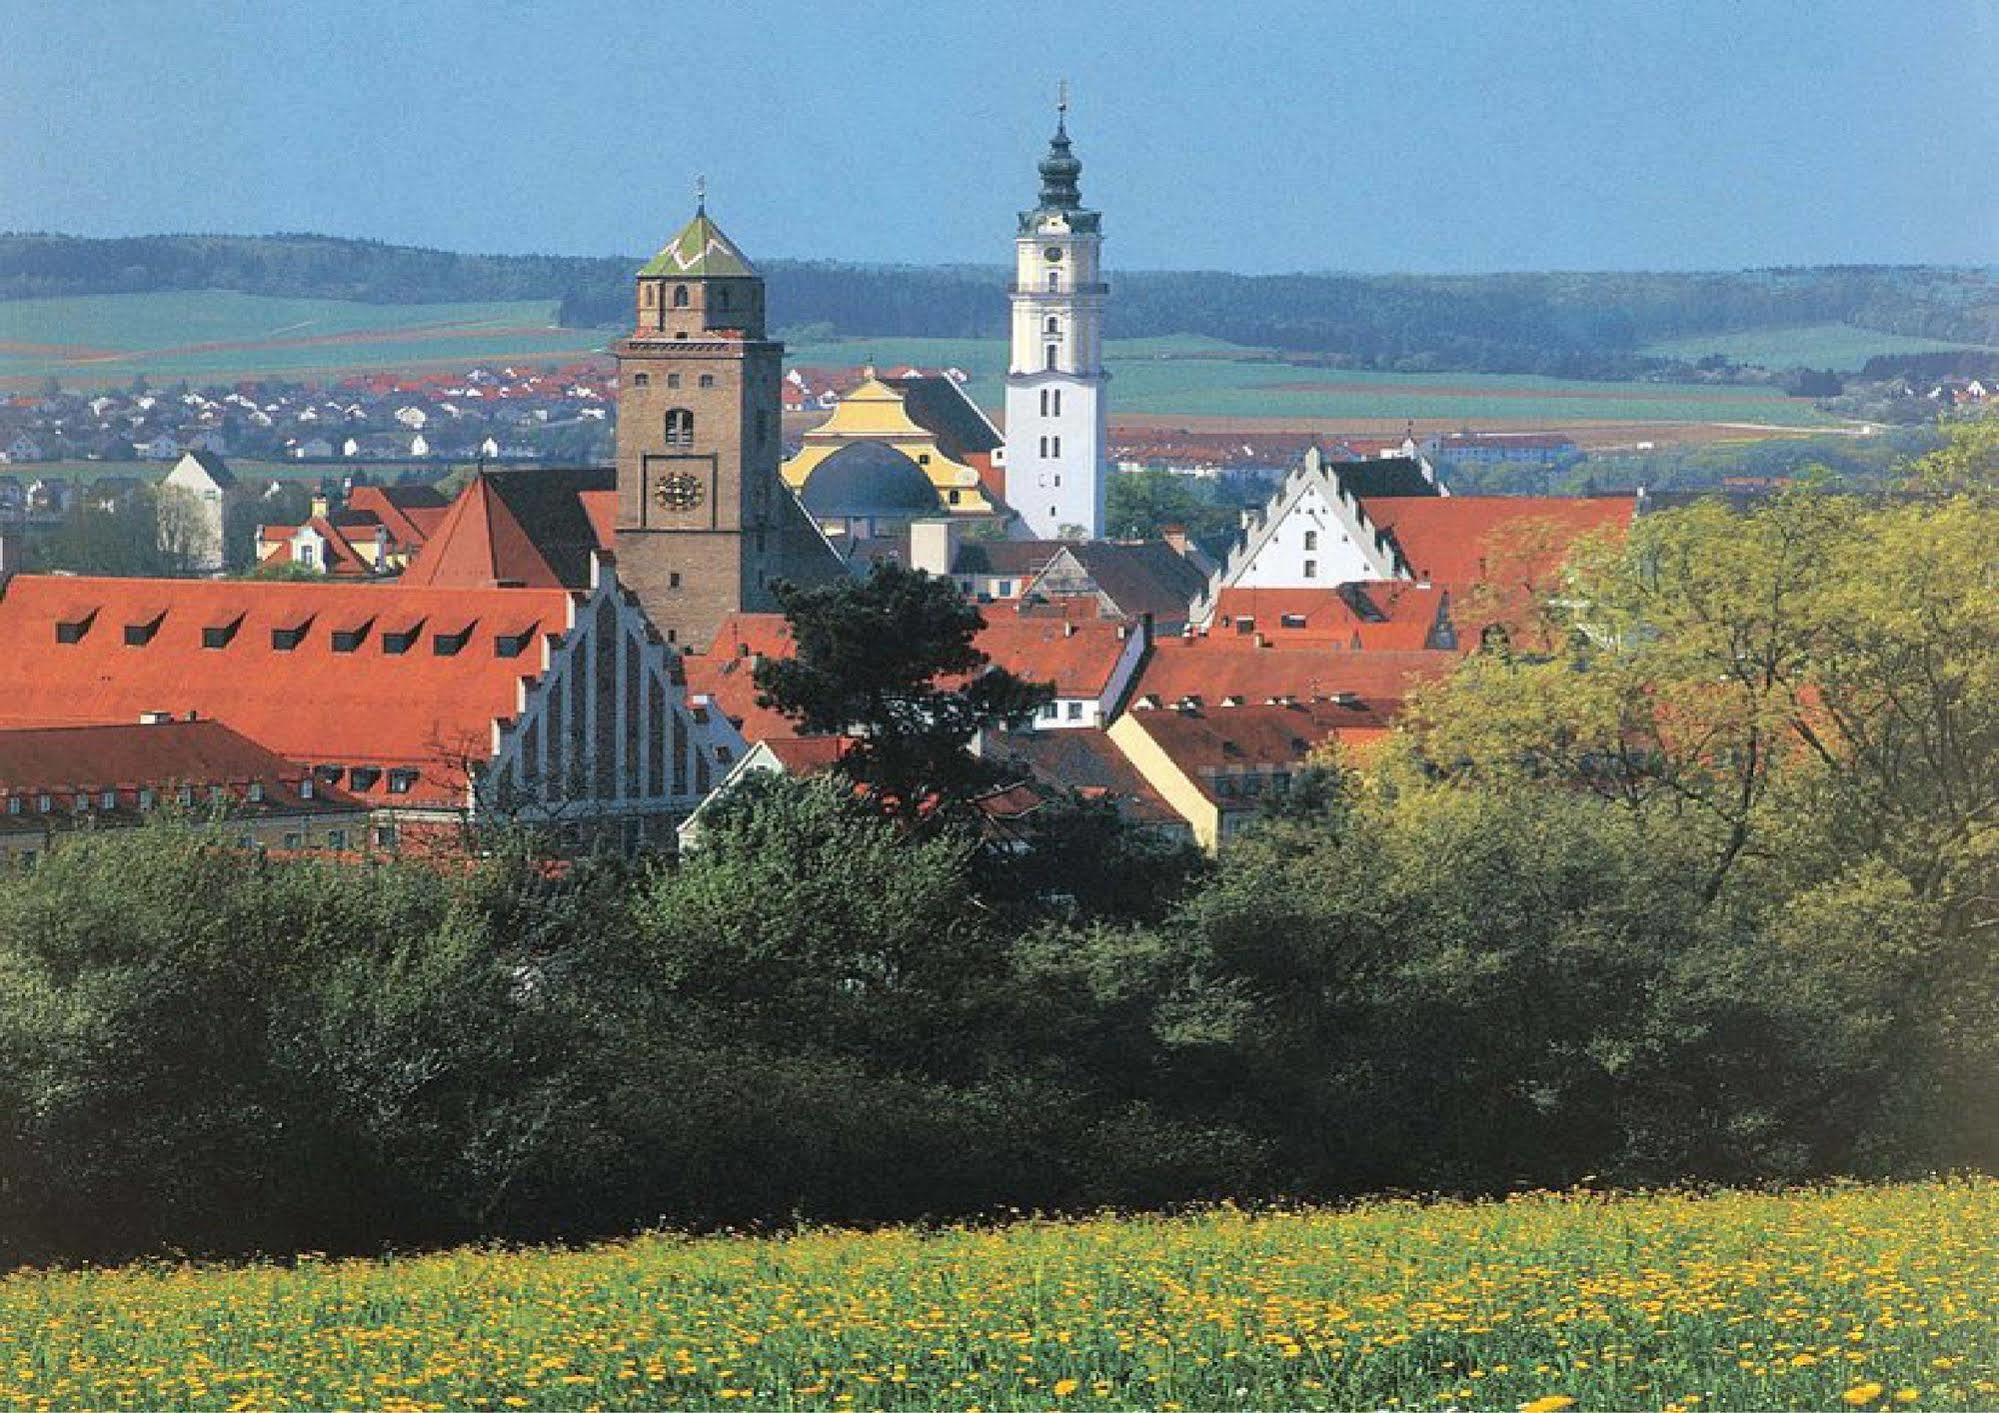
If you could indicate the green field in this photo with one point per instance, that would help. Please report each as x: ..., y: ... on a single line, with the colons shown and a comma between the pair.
x: 218, y: 336
x: 1840, y: 347
x: 222, y: 335
x: 1852, y: 1297
x: 1208, y: 378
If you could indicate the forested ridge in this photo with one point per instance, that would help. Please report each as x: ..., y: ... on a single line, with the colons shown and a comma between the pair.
x: 1565, y: 323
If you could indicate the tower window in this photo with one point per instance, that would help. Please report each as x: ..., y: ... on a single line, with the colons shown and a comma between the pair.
x: 640, y: 380
x: 680, y: 296
x: 1054, y: 446
x: 1044, y: 402
x: 680, y: 427
x: 673, y: 579
x: 1055, y: 401
x: 1053, y: 326
x: 673, y: 380
x: 1052, y: 350
x: 707, y: 380
x: 1054, y: 281
x: 652, y: 295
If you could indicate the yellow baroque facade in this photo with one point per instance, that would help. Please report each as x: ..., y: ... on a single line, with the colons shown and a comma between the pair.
x: 927, y: 419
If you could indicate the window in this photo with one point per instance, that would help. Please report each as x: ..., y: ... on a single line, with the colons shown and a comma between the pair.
x: 707, y: 380
x: 1055, y: 446
x: 652, y: 298
x: 1054, y: 280
x: 1044, y: 402
x: 13, y: 804
x: 44, y: 803
x: 1052, y: 327
x: 1311, y: 569
x: 385, y: 836
x: 1311, y: 539
x: 305, y: 555
x: 680, y: 427
x: 1052, y: 351
x: 1044, y: 448
x: 1058, y: 478
x: 641, y: 380
x: 1055, y: 401
x: 673, y: 579
x: 294, y: 841
x: 401, y: 782
x: 673, y: 380
x: 1075, y: 711
x: 255, y: 794
x: 108, y: 800
x: 336, y: 839
x: 680, y: 296
x: 306, y: 788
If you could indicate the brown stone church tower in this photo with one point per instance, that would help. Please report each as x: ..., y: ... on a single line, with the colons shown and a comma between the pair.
x: 705, y: 524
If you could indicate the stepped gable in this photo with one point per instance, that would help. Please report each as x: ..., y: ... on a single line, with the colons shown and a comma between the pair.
x: 392, y: 677
x: 1445, y: 540
x: 521, y: 527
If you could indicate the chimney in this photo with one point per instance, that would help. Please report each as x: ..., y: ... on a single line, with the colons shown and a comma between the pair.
x: 1068, y: 628
x: 321, y: 507
x: 933, y: 546
x: 1176, y: 536
x: 155, y: 718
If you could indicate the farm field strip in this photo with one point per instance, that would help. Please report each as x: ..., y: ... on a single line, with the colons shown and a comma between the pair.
x: 1843, y: 348
x: 1850, y: 1297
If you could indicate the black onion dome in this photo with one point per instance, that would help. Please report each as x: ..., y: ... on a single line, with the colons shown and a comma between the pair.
x: 1060, y: 171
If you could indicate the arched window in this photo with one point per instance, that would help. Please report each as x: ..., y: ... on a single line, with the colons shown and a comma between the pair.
x: 1052, y: 350
x: 680, y: 296
x: 1052, y: 327
x: 680, y: 427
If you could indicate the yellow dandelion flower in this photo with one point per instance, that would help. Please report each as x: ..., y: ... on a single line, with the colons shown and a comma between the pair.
x: 1860, y: 1395
x: 1065, y: 1387
x: 1552, y: 1403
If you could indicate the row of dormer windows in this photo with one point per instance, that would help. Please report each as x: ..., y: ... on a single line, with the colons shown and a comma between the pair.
x: 290, y: 637
x: 84, y: 799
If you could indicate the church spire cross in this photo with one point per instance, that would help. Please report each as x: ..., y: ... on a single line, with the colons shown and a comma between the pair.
x: 701, y: 196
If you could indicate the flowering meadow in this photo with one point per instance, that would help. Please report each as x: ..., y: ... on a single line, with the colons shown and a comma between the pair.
x: 1854, y: 1296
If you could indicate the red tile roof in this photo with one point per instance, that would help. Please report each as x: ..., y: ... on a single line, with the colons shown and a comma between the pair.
x: 1213, y: 669
x: 217, y: 648
x: 1221, y: 749
x: 158, y: 756
x: 1376, y: 617
x: 1445, y: 539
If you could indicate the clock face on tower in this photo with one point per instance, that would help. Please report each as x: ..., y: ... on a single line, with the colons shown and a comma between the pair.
x: 679, y: 491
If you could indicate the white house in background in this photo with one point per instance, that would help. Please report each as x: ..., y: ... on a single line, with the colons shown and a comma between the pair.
x: 415, y: 418
x: 419, y: 446
x: 1055, y: 427
x: 193, y: 526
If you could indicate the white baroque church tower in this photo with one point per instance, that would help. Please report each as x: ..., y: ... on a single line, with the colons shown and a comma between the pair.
x: 1055, y: 382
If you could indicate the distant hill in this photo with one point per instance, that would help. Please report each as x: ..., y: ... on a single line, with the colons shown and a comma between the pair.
x: 1565, y: 324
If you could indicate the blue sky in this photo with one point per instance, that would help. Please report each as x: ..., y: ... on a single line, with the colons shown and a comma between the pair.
x: 1447, y: 135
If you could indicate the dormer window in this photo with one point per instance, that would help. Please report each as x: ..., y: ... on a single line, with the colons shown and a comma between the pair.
x: 450, y: 644
x: 363, y: 777
x: 219, y: 635
x: 72, y: 629
x: 14, y: 804
x: 347, y: 640
x: 287, y: 639
x: 255, y: 794
x: 306, y: 788
x: 185, y: 795
x: 137, y: 635
x: 108, y: 800
x: 44, y: 803
x: 145, y: 797
x: 402, y: 781
x: 397, y: 643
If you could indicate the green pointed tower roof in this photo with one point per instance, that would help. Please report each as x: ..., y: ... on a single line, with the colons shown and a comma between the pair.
x: 700, y: 250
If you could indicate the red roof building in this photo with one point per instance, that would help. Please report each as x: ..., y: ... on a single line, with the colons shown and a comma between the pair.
x: 436, y: 704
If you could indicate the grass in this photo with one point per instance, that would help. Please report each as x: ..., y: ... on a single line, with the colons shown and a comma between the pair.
x: 1208, y: 378
x: 1841, y: 347
x: 1851, y: 1297
x: 222, y: 335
